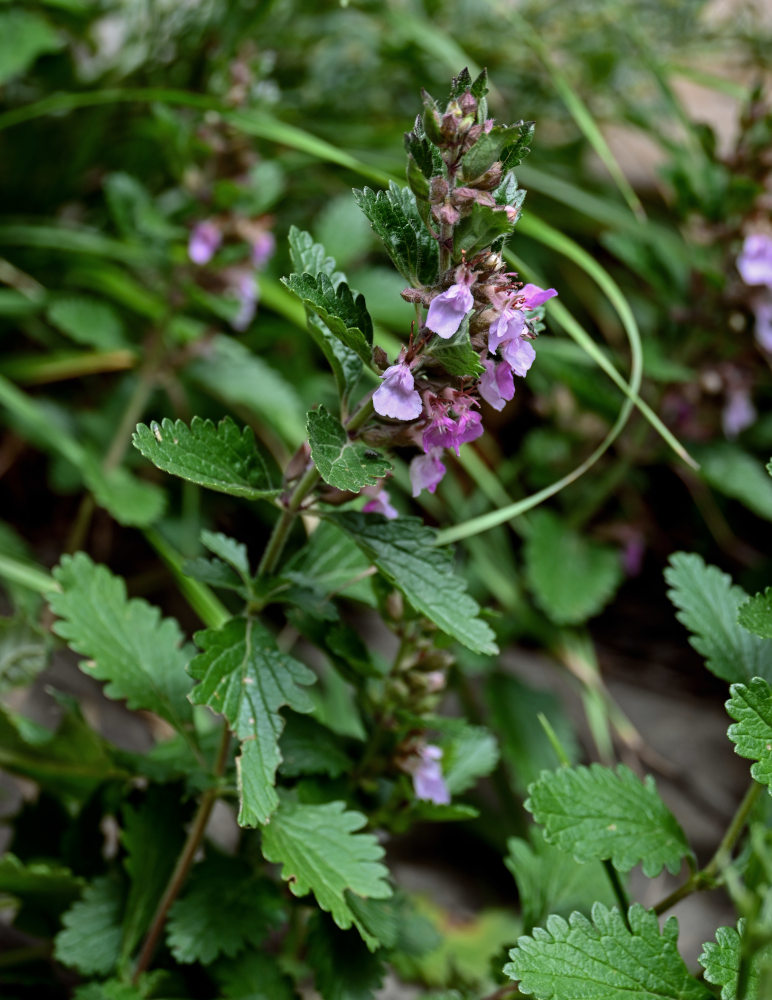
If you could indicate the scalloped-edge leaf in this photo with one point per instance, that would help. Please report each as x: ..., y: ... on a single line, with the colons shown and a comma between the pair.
x: 395, y: 220
x: 341, y: 462
x: 721, y: 961
x: 321, y: 852
x: 594, y: 813
x: 221, y: 458
x: 750, y: 705
x: 90, y: 940
x: 126, y: 642
x: 708, y: 604
x: 756, y: 614
x: 244, y: 676
x: 604, y: 958
x: 344, y: 314
x: 405, y: 552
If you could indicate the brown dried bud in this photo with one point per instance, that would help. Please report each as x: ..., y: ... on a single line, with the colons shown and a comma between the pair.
x: 438, y: 189
x: 380, y: 359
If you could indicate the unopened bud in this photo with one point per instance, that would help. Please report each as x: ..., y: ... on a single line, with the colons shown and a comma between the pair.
x: 448, y: 215
x: 395, y: 606
x: 380, y: 358
x: 438, y: 190
x: 468, y: 103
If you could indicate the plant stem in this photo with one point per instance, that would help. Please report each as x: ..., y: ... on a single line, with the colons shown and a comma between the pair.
x: 705, y: 878
x: 184, y: 862
x: 619, y: 889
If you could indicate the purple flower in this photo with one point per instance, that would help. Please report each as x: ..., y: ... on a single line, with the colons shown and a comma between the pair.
x: 379, y: 504
x: 443, y: 431
x: 428, y: 782
x: 533, y: 296
x: 397, y: 396
x: 510, y: 323
x: 248, y: 294
x: 448, y: 309
x: 426, y: 471
x: 497, y: 385
x: 263, y: 247
x: 755, y: 260
x: 633, y: 553
x: 763, y: 310
x: 204, y: 240
x: 739, y: 412
x: 519, y: 355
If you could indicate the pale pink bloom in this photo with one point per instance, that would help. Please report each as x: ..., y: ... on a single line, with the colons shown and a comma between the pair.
x: 443, y: 431
x: 428, y: 782
x: 738, y: 413
x: 633, y: 553
x: 205, y: 238
x: 397, y: 396
x: 519, y: 355
x: 426, y: 471
x: 755, y: 260
x: 497, y: 385
x: 263, y: 247
x: 533, y: 296
x: 379, y: 503
x: 763, y: 311
x: 510, y: 323
x: 448, y: 309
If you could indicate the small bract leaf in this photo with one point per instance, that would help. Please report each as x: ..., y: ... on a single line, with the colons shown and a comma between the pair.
x: 343, y: 463
x: 221, y: 458
x: 603, y: 958
x: 405, y: 552
x: 456, y: 354
x: 751, y: 706
x: 595, y: 813
x: 708, y: 604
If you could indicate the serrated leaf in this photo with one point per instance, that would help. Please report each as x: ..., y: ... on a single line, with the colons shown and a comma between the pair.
x: 469, y: 753
x: 750, y: 705
x: 721, y: 961
x: 91, y: 938
x: 229, y: 371
x: 331, y: 562
x: 131, y: 501
x: 224, y: 907
x: 571, y: 577
x: 551, y: 881
x: 110, y: 989
x: 308, y: 747
x: 395, y: 219
x: 405, y: 552
x: 456, y: 354
x: 344, y: 968
x: 320, y: 852
x: 221, y: 458
x: 38, y: 881
x: 127, y: 643
x: 756, y: 614
x: 87, y: 321
x: 482, y: 227
x: 308, y: 256
x: 708, y: 603
x: 345, y: 315
x: 24, y: 652
x: 24, y: 35
x: 604, y: 959
x: 514, y: 154
x: 738, y: 475
x: 243, y: 676
x: 253, y: 975
x: 594, y: 813
x: 341, y: 462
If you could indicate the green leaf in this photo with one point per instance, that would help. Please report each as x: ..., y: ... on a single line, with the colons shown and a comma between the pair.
x: 738, y: 475
x: 308, y: 747
x: 245, y: 677
x: 551, y: 881
x: 468, y: 754
x: 130, y: 501
x: 571, y: 577
x: 395, y: 219
x: 24, y: 652
x: 483, y: 226
x: 331, y: 562
x: 221, y: 458
x: 604, y: 959
x: 311, y: 258
x: 320, y: 852
x: 224, y: 908
x: 230, y: 551
x: 756, y: 614
x: 152, y: 837
x: 341, y: 462
x: 126, y: 642
x: 91, y: 938
x: 514, y: 154
x: 708, y: 604
x: 110, y: 989
x: 230, y: 372
x: 24, y: 36
x: 721, y: 961
x: 344, y: 315
x: 750, y: 705
x: 594, y: 813
x: 456, y: 354
x: 253, y: 975
x: 39, y: 882
x: 344, y: 968
x: 87, y: 321
x: 405, y: 552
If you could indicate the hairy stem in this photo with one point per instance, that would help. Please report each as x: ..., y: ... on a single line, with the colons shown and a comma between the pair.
x: 184, y: 862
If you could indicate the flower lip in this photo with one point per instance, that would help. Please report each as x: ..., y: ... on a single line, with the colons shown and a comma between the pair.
x: 397, y: 396
x: 447, y: 310
x: 755, y: 260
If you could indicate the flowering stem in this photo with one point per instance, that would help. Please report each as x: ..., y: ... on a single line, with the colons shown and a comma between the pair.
x: 706, y: 877
x: 185, y: 860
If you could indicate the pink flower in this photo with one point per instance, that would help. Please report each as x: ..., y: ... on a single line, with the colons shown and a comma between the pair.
x: 510, y: 323
x: 443, y: 431
x: 397, y: 396
x: 428, y: 782
x: 755, y: 260
x: 738, y: 413
x: 497, y: 385
x: 205, y: 238
x: 763, y: 310
x: 248, y: 294
x: 380, y: 504
x: 448, y: 309
x: 263, y: 247
x: 533, y: 296
x: 519, y: 355
x: 426, y: 471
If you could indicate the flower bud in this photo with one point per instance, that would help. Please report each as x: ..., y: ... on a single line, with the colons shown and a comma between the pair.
x: 468, y: 103
x: 438, y: 189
